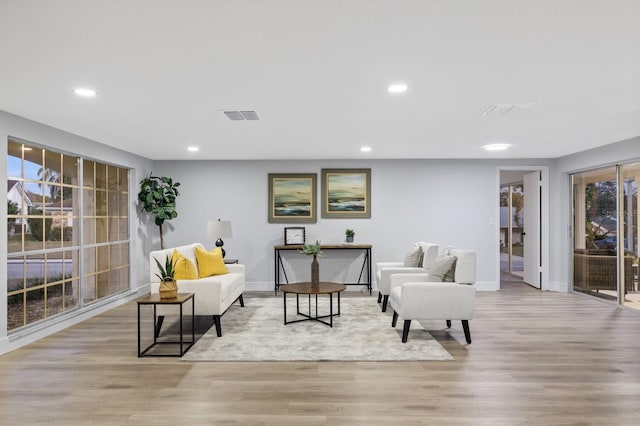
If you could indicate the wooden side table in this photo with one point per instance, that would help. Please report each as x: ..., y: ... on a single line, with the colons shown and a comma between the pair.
x: 155, y: 300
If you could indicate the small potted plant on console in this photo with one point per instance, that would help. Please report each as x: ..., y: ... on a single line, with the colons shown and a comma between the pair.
x: 350, y: 234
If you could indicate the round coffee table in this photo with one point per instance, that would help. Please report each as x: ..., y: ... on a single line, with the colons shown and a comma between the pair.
x: 309, y: 289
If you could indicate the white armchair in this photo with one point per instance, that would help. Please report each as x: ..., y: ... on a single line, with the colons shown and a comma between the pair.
x: 415, y: 297
x: 384, y: 270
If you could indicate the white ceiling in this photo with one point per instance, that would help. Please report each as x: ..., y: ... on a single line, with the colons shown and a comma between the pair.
x: 317, y: 72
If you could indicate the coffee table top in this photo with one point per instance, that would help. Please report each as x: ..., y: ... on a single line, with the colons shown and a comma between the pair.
x: 306, y: 288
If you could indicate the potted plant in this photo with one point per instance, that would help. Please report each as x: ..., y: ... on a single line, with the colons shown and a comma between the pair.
x: 314, y: 250
x: 350, y: 234
x: 168, y: 285
x: 158, y: 197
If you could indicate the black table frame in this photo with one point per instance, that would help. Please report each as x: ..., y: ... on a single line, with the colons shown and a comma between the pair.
x: 309, y: 317
x: 177, y: 301
x: 366, y: 263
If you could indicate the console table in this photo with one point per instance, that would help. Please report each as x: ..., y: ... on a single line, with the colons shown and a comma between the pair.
x: 366, y: 263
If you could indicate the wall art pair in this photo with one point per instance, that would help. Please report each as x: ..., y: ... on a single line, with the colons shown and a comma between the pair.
x: 345, y: 194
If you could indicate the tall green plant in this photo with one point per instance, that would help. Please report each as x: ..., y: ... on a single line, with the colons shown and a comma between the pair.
x: 157, y: 197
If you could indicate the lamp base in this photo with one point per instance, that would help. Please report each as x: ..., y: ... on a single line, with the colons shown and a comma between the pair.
x: 220, y: 243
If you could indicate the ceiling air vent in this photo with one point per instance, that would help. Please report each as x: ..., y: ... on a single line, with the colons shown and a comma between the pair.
x: 504, y: 109
x: 241, y: 115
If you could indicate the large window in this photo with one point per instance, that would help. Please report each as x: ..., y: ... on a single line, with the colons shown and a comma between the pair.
x: 66, y: 247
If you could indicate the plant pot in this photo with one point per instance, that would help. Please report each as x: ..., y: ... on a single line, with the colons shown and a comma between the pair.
x: 349, y: 238
x: 168, y: 290
x: 315, y: 272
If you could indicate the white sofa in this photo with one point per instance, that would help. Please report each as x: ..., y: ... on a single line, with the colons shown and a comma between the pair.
x: 415, y: 297
x: 213, y: 295
x: 384, y: 270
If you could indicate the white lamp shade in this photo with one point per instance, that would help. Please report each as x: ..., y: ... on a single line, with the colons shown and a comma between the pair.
x: 219, y: 229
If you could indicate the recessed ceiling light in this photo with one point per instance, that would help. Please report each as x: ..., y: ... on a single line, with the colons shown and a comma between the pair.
x: 87, y: 93
x: 397, y: 88
x: 365, y: 149
x: 193, y: 149
x: 496, y: 147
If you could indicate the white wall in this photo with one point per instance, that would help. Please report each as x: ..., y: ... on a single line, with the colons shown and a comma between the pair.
x: 451, y: 202
x: 30, y: 131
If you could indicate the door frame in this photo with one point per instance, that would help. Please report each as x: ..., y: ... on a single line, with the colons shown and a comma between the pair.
x: 544, y: 223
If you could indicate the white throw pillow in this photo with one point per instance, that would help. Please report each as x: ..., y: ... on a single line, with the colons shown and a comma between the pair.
x: 413, y: 258
x: 442, y: 266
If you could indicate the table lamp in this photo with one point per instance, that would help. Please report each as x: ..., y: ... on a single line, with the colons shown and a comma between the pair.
x: 219, y: 229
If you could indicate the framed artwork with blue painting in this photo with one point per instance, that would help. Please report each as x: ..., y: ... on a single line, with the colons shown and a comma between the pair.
x: 346, y: 193
x: 292, y: 197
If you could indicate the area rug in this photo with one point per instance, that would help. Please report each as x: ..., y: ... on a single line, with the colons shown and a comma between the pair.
x: 361, y: 333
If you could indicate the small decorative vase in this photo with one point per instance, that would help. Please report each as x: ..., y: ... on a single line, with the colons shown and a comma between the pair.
x: 315, y: 272
x: 168, y: 290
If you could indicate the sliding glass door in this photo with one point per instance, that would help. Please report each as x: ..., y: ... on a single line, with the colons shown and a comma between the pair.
x: 605, y: 229
x: 630, y: 231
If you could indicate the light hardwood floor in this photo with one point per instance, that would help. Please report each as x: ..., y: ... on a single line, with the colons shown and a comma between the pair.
x: 536, y: 358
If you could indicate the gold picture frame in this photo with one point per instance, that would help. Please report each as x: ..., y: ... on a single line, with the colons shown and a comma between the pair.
x: 292, y: 197
x: 346, y: 193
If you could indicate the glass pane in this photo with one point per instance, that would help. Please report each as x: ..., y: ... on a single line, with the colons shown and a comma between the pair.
x: 71, y: 264
x: 89, y: 260
x: 71, y: 291
x: 101, y: 176
x: 88, y: 174
x: 15, y: 235
x: 55, y: 299
x: 89, y: 202
x: 124, y: 205
x: 89, y: 231
x: 511, y: 229
x: 14, y: 160
x: 39, y: 230
x: 69, y: 170
x: 124, y: 254
x: 33, y: 167
x: 124, y: 278
x: 102, y: 284
x: 112, y: 207
x: 16, y: 273
x: 35, y: 305
x: 54, y: 267
x: 595, y: 222
x: 101, y: 230
x: 123, y: 180
x: 67, y: 233
x: 35, y: 270
x: 114, y: 255
x: 113, y: 229
x: 112, y: 178
x: 102, y: 258
x: 101, y: 203
x: 16, y: 315
x: 34, y: 197
x: 124, y: 229
x: 631, y: 234
x: 89, y: 288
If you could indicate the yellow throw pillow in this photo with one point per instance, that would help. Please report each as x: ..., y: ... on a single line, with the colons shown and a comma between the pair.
x: 185, y: 269
x: 210, y: 262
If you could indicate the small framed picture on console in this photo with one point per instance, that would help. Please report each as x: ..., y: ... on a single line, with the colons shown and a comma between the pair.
x: 294, y: 235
